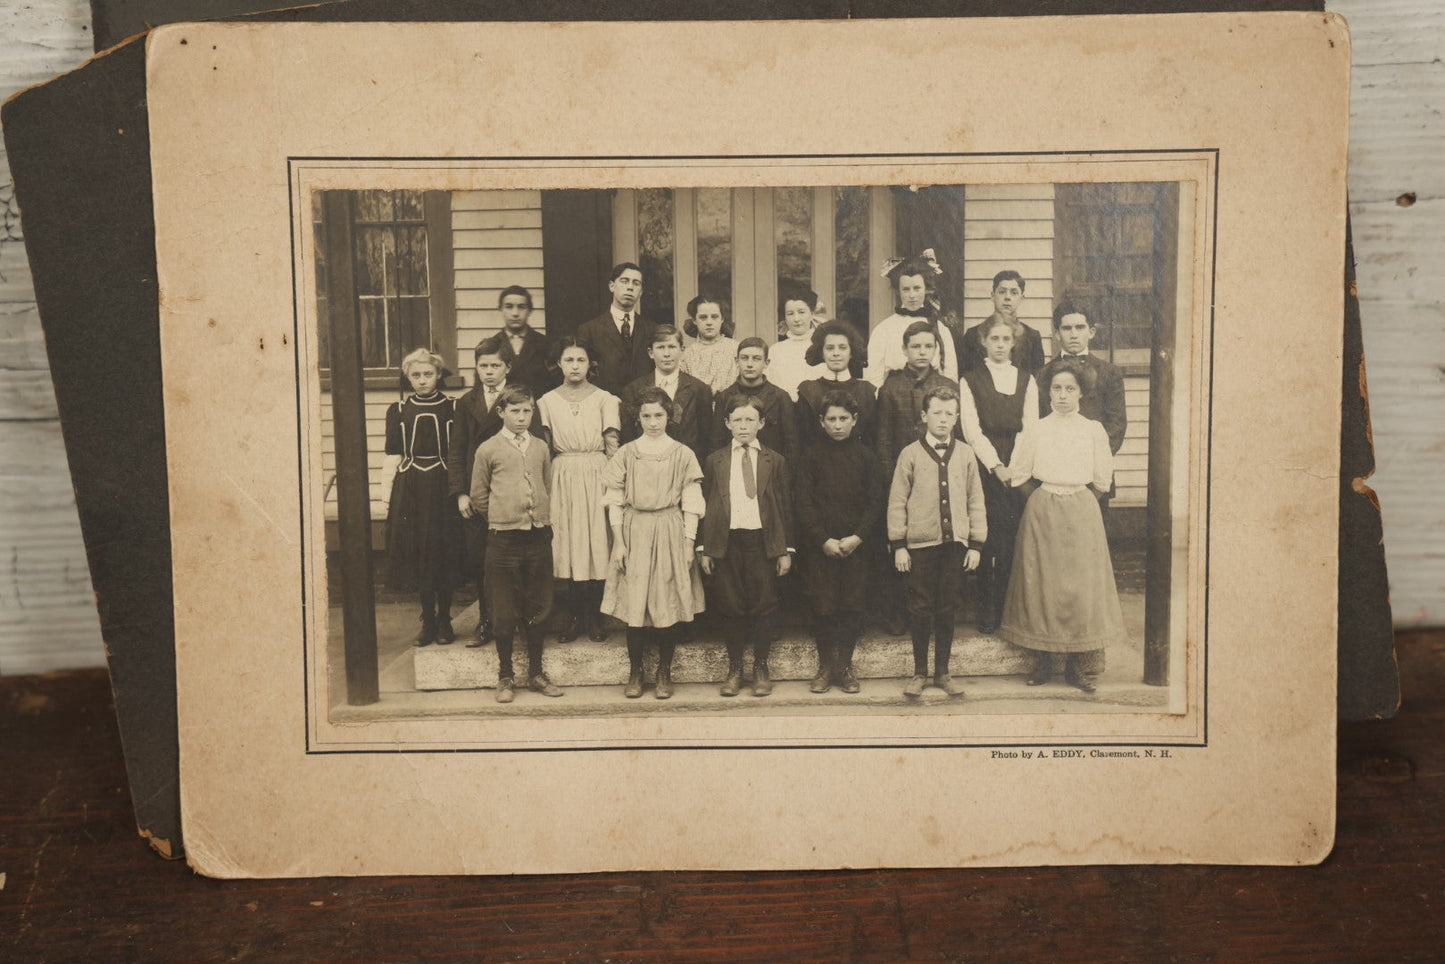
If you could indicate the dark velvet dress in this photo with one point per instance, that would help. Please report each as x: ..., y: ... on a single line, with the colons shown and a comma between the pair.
x: 423, y: 526
x: 839, y: 492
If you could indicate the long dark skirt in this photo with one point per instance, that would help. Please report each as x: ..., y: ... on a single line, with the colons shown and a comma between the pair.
x: 424, y: 536
x: 1062, y: 597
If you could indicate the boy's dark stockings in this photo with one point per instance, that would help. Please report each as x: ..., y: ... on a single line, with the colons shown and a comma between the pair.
x: 739, y: 631
x: 534, y: 654
x: 941, y: 627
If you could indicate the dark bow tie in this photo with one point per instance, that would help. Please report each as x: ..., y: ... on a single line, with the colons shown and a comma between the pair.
x: 925, y: 312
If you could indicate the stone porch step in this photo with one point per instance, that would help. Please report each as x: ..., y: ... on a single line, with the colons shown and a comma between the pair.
x: 987, y: 695
x: 587, y: 663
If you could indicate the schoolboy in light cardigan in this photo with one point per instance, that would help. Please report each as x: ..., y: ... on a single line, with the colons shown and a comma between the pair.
x: 512, y: 490
x: 937, y: 528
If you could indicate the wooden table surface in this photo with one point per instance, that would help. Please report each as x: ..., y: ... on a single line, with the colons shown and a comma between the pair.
x: 76, y: 881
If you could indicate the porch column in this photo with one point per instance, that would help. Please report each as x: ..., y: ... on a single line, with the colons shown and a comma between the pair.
x: 353, y: 484
x: 1160, y: 518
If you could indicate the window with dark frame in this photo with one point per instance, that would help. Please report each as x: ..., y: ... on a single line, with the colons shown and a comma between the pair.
x: 401, y: 246
x: 1106, y: 240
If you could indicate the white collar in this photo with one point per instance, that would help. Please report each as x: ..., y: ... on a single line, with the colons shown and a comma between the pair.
x: 755, y: 445
x: 999, y: 366
x: 844, y: 376
x: 1082, y: 354
x: 934, y: 442
x: 617, y: 314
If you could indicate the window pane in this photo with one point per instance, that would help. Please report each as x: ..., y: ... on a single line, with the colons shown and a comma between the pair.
x: 371, y: 315
x: 374, y: 254
x: 1136, y: 231
x: 373, y: 206
x: 656, y: 229
x: 411, y: 326
x: 1141, y: 193
x: 793, y: 237
x: 410, y: 206
x: 411, y: 274
x: 1133, y: 320
x: 850, y: 238
x: 715, y: 242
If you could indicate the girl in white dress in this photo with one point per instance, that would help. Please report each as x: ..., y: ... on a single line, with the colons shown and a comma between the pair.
x: 653, y: 493
x: 582, y: 425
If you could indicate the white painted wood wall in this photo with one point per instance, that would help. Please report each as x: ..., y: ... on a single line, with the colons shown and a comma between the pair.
x: 47, y: 615
x: 496, y: 241
x: 1012, y: 226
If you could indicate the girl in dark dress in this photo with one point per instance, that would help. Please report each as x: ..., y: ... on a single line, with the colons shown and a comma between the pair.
x: 839, y: 499
x: 838, y: 347
x: 998, y: 401
x: 423, y: 526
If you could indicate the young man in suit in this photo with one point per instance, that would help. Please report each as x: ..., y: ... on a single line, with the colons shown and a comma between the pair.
x: 525, y: 348
x: 1028, y: 352
x: 747, y: 540
x: 478, y: 419
x: 618, y: 340
x: 691, y: 399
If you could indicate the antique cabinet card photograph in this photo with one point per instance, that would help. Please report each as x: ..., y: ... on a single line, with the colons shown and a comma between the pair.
x: 742, y: 446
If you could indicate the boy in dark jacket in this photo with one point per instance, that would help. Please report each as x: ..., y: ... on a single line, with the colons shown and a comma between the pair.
x: 747, y: 540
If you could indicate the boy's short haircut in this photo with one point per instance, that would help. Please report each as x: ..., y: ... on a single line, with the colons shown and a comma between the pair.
x: 1083, y: 375
x: 652, y: 395
x: 753, y: 342
x: 1007, y: 274
x: 515, y: 395
x: 499, y: 345
x: 663, y: 333
x: 837, y: 399
x: 738, y: 401
x: 708, y: 298
x: 806, y: 295
x: 943, y: 393
x: 1066, y: 308
x: 514, y: 290
x: 624, y: 266
x: 919, y: 328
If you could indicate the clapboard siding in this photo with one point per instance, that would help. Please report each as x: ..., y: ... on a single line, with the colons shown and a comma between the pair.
x: 1131, y: 463
x: 496, y: 242
x: 376, y: 406
x: 1010, y: 227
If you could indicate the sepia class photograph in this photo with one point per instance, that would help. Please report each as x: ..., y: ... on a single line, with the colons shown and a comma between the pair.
x: 795, y: 450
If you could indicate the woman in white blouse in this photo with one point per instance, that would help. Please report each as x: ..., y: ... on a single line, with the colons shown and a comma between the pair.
x: 1061, y: 596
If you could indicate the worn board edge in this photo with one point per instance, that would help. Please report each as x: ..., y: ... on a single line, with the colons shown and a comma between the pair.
x: 56, y: 202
